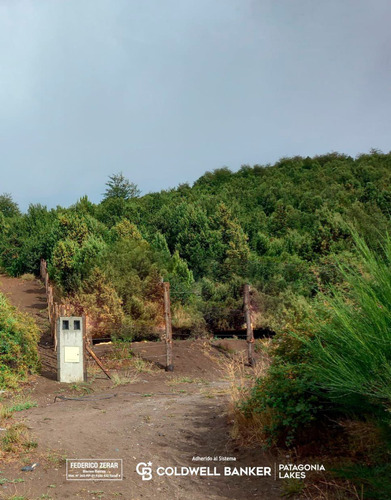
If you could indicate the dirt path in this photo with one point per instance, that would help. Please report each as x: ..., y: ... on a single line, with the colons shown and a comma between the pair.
x: 164, y: 418
x: 28, y: 296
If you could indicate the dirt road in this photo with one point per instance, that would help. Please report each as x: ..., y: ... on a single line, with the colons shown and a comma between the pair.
x: 169, y: 419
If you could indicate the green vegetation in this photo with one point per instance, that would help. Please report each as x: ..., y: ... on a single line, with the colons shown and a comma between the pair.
x: 352, y: 353
x: 281, y: 228
x: 118, y: 187
x: 19, y: 337
x: 16, y: 437
x: 330, y: 378
x: 7, y: 411
x: 308, y: 234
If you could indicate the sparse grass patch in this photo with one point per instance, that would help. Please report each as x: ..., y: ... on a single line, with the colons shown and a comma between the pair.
x: 212, y: 393
x: 225, y: 349
x: 30, y: 445
x: 127, y: 378
x: 142, y: 366
x: 122, y: 359
x: 55, y: 459
x: 186, y: 380
x: 82, y: 387
x: 27, y: 277
x: 122, y: 350
x: 7, y: 411
x: 14, y: 438
x: 4, y: 480
x: 207, y: 349
x: 93, y: 369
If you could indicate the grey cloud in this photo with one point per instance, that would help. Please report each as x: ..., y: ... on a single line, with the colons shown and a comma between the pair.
x: 166, y: 90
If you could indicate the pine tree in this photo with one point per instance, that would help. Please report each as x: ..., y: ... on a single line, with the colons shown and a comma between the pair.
x: 118, y: 186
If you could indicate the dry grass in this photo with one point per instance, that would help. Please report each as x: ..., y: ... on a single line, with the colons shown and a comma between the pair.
x: 27, y: 277
x: 16, y: 439
x: 142, y: 366
x: 93, y: 370
x: 206, y: 347
x: 122, y: 357
x: 187, y: 380
x: 54, y: 459
x: 213, y: 392
x: 181, y: 317
x: 329, y: 489
x: 122, y: 379
x: 364, y: 438
x: 241, y: 379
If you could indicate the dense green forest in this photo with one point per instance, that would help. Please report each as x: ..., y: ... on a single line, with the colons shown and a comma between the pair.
x: 279, y: 228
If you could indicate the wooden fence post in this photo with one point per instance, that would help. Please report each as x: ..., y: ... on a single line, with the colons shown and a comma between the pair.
x: 97, y: 360
x: 250, y: 332
x: 56, y: 315
x: 84, y: 322
x: 167, y: 319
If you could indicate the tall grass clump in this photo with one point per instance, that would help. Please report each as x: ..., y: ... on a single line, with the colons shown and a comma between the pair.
x: 19, y: 337
x: 350, y: 353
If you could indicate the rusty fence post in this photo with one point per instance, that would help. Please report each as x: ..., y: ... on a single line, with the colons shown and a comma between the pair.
x: 167, y: 319
x: 250, y: 332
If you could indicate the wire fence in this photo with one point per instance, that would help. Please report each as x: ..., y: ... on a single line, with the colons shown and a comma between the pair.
x: 57, y: 310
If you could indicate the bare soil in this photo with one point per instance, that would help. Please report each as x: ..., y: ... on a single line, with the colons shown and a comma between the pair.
x: 159, y: 417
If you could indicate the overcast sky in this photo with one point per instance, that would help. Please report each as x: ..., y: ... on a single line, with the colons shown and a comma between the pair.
x: 165, y: 90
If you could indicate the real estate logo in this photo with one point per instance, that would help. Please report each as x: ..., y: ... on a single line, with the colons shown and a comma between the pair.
x: 144, y: 470
x: 281, y: 471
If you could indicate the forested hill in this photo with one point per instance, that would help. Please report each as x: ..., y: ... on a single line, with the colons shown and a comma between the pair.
x: 281, y: 228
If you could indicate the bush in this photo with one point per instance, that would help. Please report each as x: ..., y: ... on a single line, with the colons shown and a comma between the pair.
x: 288, y: 400
x: 337, y: 361
x: 19, y: 337
x: 100, y: 302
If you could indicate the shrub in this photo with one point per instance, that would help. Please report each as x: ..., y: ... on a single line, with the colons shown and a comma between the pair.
x: 100, y: 302
x: 19, y: 337
x: 336, y: 361
x: 288, y: 400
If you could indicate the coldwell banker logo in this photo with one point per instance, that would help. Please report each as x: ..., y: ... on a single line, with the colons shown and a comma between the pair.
x: 145, y: 471
x: 285, y: 471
